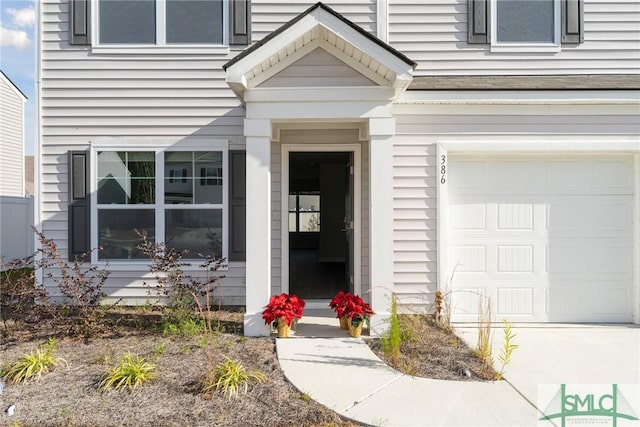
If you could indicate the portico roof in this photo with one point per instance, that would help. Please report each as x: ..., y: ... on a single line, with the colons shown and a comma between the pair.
x: 319, y: 27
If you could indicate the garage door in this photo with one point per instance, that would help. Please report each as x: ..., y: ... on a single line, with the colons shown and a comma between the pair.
x: 547, y: 238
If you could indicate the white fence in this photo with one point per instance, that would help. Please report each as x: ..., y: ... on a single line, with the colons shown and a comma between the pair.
x: 16, y: 219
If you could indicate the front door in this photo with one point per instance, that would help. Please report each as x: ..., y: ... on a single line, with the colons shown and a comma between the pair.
x: 320, y: 224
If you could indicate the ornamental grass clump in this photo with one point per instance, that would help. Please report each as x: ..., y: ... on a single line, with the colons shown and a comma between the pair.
x: 131, y: 372
x: 229, y: 378
x: 34, y: 365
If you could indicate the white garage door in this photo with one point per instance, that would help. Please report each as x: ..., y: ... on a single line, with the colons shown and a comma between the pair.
x: 548, y: 238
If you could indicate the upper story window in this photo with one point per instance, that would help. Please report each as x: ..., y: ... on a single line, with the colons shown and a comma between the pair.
x: 525, y: 21
x: 161, y: 22
x: 525, y: 24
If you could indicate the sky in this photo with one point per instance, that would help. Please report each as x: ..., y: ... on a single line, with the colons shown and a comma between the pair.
x: 17, y: 56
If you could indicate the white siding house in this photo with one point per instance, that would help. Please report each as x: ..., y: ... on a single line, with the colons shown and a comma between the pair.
x: 362, y: 145
x: 16, y: 210
x: 12, y: 102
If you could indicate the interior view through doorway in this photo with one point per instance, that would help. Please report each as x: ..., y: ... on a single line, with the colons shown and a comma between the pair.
x: 320, y: 224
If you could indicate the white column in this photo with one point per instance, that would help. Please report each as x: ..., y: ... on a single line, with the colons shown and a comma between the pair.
x: 381, y: 131
x: 258, y: 262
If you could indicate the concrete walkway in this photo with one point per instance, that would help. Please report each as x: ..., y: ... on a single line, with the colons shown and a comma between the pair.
x: 345, y: 375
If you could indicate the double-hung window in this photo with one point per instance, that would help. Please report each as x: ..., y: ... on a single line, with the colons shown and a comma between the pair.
x: 525, y: 23
x: 161, y: 22
x: 175, y: 196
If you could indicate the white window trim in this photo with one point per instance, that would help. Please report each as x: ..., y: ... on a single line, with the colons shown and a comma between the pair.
x: 160, y: 46
x: 159, y: 148
x: 524, y: 47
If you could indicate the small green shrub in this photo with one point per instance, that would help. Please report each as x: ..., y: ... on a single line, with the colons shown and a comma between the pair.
x: 34, y: 365
x: 185, y: 327
x: 131, y: 372
x: 392, y: 338
x: 229, y: 377
x: 159, y: 350
x: 507, y: 348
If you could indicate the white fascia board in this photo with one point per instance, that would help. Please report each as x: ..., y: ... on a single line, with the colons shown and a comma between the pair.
x: 350, y: 35
x: 13, y: 87
x: 569, y: 97
x: 320, y: 94
x: 317, y: 111
x: 272, y: 47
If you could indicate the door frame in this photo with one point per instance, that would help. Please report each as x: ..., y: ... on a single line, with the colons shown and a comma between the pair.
x: 284, y: 211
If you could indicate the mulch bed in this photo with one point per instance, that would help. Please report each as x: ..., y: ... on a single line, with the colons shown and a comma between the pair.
x: 430, y: 351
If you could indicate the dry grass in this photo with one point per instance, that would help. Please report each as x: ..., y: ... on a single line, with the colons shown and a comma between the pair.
x: 430, y: 351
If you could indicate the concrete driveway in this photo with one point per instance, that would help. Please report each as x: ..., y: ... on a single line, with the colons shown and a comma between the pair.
x: 566, y: 354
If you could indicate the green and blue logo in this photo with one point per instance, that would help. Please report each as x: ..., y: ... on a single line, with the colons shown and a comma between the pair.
x: 584, y: 405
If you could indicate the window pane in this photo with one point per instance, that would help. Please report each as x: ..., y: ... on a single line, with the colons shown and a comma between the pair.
x: 112, y: 164
x: 292, y: 203
x: 309, y: 203
x: 112, y: 190
x: 525, y: 21
x: 126, y: 21
x: 141, y: 164
x: 309, y: 222
x: 208, y: 187
x: 194, y: 21
x: 197, y: 230
x: 142, y: 191
x: 116, y: 232
x: 178, y: 172
x: 126, y: 177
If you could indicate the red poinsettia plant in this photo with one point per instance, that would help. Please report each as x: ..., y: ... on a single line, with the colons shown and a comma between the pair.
x: 339, y: 302
x: 289, y: 307
x: 351, y: 306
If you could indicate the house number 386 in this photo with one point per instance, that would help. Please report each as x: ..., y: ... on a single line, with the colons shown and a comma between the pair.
x: 443, y: 169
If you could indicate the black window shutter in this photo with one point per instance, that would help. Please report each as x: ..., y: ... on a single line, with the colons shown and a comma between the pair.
x: 79, y: 208
x: 79, y: 22
x: 572, y: 21
x: 237, y: 206
x: 478, y: 21
x: 239, y: 22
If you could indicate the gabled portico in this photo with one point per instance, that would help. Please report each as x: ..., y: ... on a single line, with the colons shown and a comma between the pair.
x: 355, y: 90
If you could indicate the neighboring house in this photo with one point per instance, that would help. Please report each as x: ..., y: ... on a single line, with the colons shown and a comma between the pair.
x: 476, y: 147
x: 12, y: 105
x: 16, y: 210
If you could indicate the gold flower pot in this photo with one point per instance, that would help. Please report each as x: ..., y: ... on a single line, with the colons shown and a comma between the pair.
x: 283, y: 328
x: 344, y: 323
x: 355, y: 331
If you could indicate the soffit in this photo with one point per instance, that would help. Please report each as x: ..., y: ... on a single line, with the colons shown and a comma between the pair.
x: 319, y: 27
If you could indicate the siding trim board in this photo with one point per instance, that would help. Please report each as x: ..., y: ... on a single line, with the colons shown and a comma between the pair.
x: 501, y: 82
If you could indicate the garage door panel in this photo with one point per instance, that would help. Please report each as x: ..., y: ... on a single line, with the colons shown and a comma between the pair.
x: 515, y: 216
x: 468, y: 216
x: 613, y: 176
x: 514, y: 301
x: 547, y: 238
x: 612, y: 299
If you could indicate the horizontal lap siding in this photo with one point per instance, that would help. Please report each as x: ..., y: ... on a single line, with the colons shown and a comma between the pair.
x: 11, y: 141
x: 269, y: 15
x: 434, y: 34
x: 419, y: 128
x: 109, y: 97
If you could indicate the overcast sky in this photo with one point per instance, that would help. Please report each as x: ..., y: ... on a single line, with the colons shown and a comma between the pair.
x: 17, y: 55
